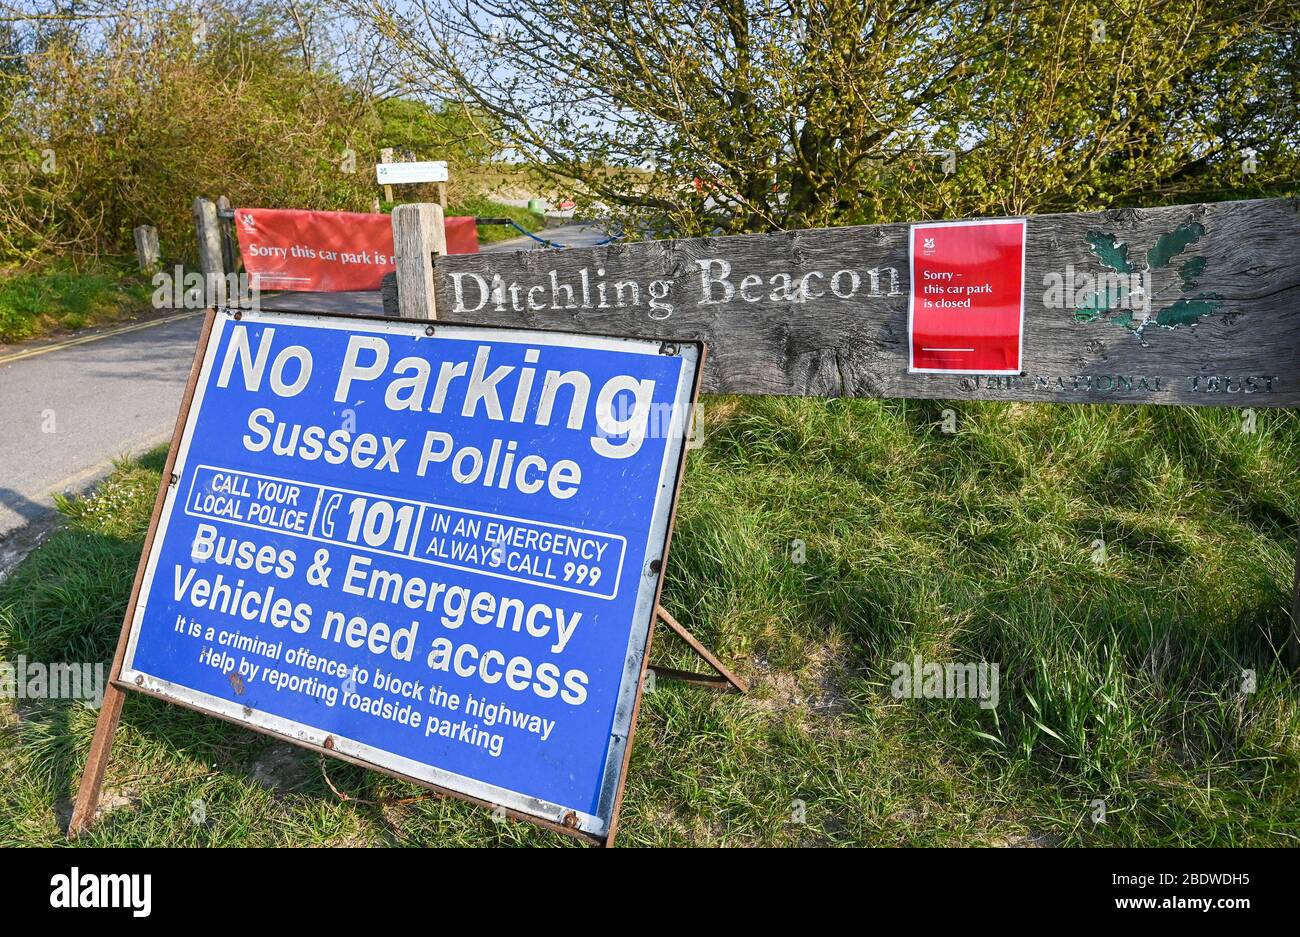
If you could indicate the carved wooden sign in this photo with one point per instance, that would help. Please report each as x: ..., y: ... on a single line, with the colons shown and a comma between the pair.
x: 1193, y: 304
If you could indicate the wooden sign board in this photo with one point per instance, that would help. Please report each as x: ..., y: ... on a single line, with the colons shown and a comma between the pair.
x: 1194, y: 304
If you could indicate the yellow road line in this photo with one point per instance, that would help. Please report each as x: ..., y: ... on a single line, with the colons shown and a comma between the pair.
x: 107, y: 333
x: 137, y: 447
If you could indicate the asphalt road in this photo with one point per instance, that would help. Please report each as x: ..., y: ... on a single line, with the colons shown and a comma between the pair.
x: 71, y: 407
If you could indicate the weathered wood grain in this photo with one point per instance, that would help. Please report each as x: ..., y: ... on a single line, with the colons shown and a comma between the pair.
x: 388, y: 295
x: 418, y: 233
x: 1237, y: 260
x: 147, y: 251
x: 231, y: 258
x: 208, y: 228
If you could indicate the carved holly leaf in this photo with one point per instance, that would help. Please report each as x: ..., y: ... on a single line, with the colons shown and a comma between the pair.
x: 1113, y: 254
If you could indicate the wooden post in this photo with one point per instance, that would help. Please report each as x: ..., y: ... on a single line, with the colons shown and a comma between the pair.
x: 830, y: 317
x: 230, y: 258
x: 146, y: 247
x: 208, y: 229
x: 418, y: 235
x: 442, y: 197
x: 386, y: 156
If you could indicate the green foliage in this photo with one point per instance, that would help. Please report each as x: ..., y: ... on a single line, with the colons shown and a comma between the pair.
x: 415, y: 129
x: 36, y: 302
x: 125, y: 124
x: 755, y: 115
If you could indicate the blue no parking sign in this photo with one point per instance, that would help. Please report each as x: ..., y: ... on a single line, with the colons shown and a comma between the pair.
x: 432, y: 550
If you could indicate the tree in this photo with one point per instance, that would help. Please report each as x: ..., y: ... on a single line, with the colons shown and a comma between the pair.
x: 120, y: 114
x: 697, y: 116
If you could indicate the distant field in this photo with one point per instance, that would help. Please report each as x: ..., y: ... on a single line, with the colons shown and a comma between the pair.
x: 1141, y: 680
x: 486, y: 208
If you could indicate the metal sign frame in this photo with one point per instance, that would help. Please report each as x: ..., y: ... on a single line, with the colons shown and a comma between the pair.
x: 518, y: 806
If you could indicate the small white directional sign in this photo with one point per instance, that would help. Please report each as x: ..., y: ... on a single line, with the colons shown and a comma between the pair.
x: 407, y: 173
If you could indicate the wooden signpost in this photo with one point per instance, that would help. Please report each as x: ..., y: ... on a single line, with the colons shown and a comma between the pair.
x: 386, y: 156
x: 824, y: 312
x: 389, y: 174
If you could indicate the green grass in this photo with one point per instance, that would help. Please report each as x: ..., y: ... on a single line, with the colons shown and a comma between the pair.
x: 1120, y: 680
x: 41, y: 302
x: 481, y: 207
x: 487, y: 208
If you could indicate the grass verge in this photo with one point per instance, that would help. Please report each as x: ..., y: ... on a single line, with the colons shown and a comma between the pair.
x: 59, y: 299
x: 481, y: 207
x: 818, y: 543
x: 487, y: 208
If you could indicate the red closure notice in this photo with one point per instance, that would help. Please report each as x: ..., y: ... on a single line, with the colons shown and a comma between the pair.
x: 327, y: 251
x: 966, y: 311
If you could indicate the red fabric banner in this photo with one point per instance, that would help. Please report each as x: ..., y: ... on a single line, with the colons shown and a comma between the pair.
x: 327, y: 251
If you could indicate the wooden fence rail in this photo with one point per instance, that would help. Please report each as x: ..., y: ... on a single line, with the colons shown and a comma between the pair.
x: 824, y: 312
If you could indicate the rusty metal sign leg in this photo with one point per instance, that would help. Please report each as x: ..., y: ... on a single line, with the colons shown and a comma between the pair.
x: 110, y: 710
x: 87, y: 802
x: 726, y: 677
